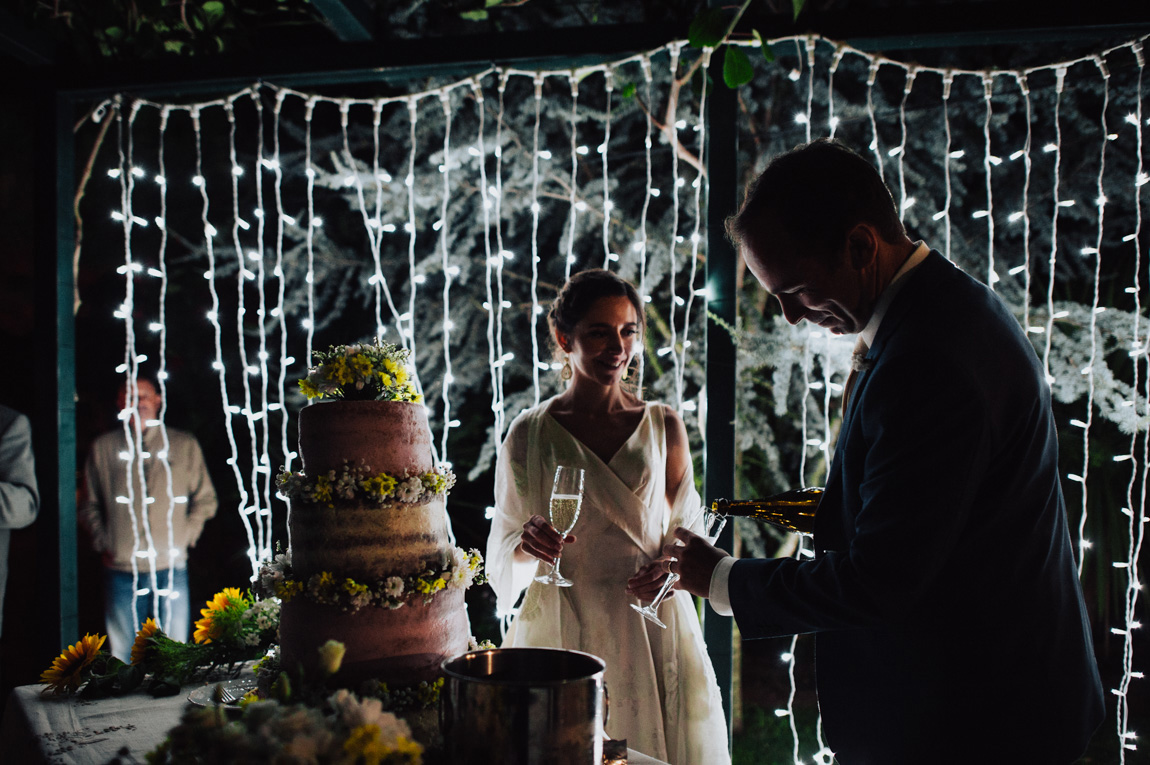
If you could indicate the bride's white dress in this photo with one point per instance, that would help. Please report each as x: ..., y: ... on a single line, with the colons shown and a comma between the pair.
x: 663, y: 696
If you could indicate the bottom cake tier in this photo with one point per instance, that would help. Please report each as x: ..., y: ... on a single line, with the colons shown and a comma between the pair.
x: 401, y: 646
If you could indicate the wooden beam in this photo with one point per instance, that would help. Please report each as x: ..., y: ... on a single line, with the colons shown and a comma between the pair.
x: 351, y: 20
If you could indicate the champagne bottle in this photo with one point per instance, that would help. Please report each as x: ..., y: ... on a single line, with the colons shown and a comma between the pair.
x: 791, y: 510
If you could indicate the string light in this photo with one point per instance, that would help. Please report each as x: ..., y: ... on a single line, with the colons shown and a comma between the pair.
x: 609, y: 89
x: 987, y: 164
x: 448, y: 272
x: 676, y: 182
x: 535, y: 307
x: 574, y: 208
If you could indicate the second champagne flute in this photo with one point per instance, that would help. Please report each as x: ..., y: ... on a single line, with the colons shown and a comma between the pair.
x: 712, y: 526
x: 566, y: 499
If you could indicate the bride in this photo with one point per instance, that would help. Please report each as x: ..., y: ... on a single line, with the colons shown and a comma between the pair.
x: 639, y: 486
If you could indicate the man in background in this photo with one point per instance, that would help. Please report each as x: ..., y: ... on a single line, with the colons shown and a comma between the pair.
x: 148, y: 497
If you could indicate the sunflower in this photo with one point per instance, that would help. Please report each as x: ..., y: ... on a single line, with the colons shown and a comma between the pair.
x: 67, y: 671
x: 211, y: 626
x: 140, y: 647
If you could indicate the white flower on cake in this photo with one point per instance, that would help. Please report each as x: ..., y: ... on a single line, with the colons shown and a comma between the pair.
x: 409, y: 489
x: 393, y: 587
x: 272, y: 572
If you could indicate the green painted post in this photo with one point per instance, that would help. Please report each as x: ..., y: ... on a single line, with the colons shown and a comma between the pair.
x: 65, y: 550
x: 719, y: 452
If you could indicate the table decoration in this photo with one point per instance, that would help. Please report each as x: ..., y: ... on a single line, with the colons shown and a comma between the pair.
x: 233, y: 628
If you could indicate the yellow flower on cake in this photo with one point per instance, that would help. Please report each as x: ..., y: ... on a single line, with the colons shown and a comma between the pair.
x: 141, y: 643
x: 323, y: 489
x: 288, y: 589
x: 309, y: 389
x: 379, y: 486
x: 67, y: 670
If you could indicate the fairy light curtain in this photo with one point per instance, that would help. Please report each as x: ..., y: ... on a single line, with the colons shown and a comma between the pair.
x: 428, y: 219
x: 444, y: 220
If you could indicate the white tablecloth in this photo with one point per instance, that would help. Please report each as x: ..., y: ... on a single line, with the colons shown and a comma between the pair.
x: 63, y: 730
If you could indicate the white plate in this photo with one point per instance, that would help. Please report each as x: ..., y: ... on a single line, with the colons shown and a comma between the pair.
x: 204, y: 695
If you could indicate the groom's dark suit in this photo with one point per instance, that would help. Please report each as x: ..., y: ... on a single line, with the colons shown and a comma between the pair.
x: 951, y: 626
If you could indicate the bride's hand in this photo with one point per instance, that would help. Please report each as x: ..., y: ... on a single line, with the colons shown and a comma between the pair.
x: 644, y: 584
x: 541, y: 540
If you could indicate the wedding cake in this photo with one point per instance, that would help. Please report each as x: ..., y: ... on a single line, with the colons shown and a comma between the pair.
x: 370, y: 564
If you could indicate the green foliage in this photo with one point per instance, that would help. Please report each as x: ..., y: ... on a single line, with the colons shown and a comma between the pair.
x: 765, y: 46
x: 708, y: 29
x: 149, y: 29
x: 737, y: 69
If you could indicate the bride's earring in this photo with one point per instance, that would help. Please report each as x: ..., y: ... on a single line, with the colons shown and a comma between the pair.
x: 626, y: 372
x: 565, y: 372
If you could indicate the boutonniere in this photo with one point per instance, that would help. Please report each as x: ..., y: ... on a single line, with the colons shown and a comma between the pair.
x: 859, y: 361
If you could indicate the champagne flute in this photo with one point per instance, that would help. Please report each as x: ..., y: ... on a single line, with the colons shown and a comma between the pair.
x: 712, y: 526
x: 566, y: 499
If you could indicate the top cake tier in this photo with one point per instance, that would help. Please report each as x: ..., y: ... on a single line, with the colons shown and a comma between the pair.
x: 386, y: 436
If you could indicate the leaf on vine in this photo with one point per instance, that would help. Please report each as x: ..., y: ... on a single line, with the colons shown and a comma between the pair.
x: 707, y: 29
x: 493, y: 3
x: 628, y: 90
x: 768, y: 51
x: 798, y: 6
x: 737, y: 69
x: 214, y: 9
x: 474, y: 15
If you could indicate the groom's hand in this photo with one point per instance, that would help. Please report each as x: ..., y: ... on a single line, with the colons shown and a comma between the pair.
x: 696, y: 561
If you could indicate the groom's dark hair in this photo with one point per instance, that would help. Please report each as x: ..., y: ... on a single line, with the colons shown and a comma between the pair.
x: 816, y: 193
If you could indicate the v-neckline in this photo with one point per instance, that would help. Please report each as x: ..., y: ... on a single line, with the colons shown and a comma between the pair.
x: 606, y: 463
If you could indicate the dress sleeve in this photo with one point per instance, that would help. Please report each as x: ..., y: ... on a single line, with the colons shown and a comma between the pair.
x: 685, y: 506
x: 512, y: 509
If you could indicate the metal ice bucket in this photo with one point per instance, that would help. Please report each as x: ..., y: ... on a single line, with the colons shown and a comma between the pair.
x: 524, y: 706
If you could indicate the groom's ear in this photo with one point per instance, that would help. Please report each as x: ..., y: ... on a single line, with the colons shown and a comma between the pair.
x: 862, y: 246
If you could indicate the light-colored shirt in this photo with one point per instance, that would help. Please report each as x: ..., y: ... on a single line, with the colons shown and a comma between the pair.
x: 718, y: 592
x: 173, y: 522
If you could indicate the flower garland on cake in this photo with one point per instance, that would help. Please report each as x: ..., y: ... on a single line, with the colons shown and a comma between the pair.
x: 457, y: 570
x: 360, y: 372
x: 357, y: 483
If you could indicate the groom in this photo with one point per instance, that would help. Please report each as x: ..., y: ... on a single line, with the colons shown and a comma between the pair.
x: 950, y: 625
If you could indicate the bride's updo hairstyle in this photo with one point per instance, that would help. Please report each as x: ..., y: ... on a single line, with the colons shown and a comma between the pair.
x: 580, y: 293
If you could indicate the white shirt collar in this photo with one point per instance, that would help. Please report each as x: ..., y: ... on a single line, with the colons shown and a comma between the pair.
x: 887, y: 297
